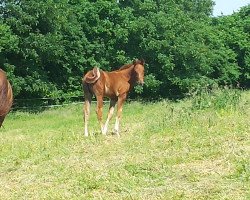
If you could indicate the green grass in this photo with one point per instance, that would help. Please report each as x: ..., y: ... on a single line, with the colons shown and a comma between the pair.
x: 166, y: 150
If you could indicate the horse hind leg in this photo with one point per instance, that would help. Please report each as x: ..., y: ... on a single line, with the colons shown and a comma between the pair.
x: 86, y: 109
x: 86, y: 116
x: 110, y: 114
x: 99, y: 109
x: 1, y: 120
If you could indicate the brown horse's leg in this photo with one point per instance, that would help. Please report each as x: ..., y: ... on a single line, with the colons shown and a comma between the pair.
x: 1, y: 120
x: 99, y: 108
x: 121, y: 100
x: 110, y: 114
x: 88, y: 98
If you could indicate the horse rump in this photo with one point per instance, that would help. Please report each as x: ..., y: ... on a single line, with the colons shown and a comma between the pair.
x: 6, y: 96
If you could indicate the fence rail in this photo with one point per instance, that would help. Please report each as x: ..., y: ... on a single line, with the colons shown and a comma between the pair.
x: 50, y: 98
x: 46, y: 102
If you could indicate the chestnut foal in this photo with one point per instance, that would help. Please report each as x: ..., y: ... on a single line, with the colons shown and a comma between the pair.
x: 6, y: 96
x: 115, y: 85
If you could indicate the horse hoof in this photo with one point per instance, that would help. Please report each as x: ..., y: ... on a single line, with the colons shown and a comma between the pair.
x: 86, y: 134
x: 115, y: 132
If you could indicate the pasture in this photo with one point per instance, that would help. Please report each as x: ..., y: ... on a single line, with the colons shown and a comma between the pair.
x: 167, y: 150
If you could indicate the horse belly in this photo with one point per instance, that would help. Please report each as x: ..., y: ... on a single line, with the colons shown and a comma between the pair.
x: 109, y: 92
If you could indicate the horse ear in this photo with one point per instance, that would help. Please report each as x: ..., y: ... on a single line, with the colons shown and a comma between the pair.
x: 142, y: 61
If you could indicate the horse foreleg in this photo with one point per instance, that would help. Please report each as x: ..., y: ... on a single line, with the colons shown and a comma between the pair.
x: 99, y: 109
x: 110, y: 114
x: 121, y: 100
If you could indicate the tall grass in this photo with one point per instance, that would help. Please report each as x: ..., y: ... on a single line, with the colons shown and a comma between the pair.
x: 167, y: 150
x: 216, y: 98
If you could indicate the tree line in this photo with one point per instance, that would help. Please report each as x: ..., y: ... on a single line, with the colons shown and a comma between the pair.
x: 47, y: 46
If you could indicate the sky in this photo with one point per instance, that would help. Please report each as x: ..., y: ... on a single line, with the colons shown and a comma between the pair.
x: 227, y: 7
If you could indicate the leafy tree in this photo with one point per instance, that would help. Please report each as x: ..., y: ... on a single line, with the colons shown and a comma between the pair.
x: 46, y: 46
x: 235, y: 33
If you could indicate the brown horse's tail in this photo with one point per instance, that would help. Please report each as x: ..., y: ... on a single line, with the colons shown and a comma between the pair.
x: 92, y: 76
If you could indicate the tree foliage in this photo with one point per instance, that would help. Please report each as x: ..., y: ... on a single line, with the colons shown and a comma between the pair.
x: 46, y: 46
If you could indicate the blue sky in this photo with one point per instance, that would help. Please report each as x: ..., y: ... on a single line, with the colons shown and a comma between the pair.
x: 227, y: 7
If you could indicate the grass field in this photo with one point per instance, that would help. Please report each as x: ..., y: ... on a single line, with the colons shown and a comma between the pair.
x: 191, y: 149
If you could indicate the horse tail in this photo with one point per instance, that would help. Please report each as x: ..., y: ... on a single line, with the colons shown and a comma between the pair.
x: 92, y: 76
x: 86, y: 88
x: 10, y: 95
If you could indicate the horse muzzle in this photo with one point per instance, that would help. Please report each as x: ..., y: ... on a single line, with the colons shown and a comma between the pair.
x: 141, y: 82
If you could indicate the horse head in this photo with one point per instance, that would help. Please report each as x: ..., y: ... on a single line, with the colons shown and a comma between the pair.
x: 139, y: 70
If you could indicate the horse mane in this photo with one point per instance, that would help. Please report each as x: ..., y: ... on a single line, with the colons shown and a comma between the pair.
x: 135, y: 62
x: 126, y: 66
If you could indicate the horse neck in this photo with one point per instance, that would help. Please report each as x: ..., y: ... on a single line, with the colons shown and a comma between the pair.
x: 130, y: 74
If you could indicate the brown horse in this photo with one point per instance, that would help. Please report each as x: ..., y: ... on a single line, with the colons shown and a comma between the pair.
x: 6, y: 96
x: 115, y: 85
